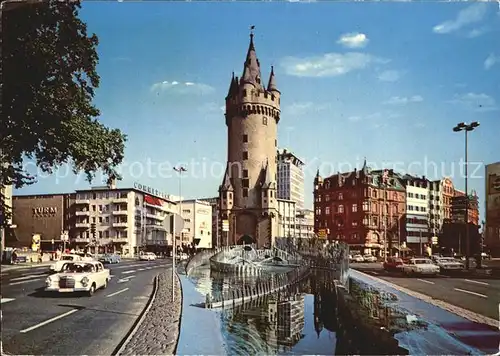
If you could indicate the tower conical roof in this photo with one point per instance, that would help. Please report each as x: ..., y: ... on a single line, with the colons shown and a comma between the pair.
x: 271, y: 86
x: 251, y: 70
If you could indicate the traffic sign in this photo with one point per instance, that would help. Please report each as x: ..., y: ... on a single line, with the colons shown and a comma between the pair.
x: 178, y: 223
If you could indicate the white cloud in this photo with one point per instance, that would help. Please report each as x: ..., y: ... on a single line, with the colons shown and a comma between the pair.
x: 354, y: 118
x: 476, y: 32
x: 491, y: 61
x: 182, y: 88
x: 302, y: 108
x: 353, y: 40
x: 403, y: 100
x: 476, y: 102
x: 389, y: 76
x: 328, y: 65
x: 469, y: 15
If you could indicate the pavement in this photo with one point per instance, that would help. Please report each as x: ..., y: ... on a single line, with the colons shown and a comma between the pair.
x: 477, y: 293
x: 36, y: 323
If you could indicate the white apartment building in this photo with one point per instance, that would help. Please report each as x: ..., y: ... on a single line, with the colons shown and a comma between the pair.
x: 417, y: 229
x: 197, y: 215
x: 290, y: 178
x: 126, y: 220
x: 304, y: 224
x: 286, y: 218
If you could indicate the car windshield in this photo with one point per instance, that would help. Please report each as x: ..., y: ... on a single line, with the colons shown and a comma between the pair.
x: 79, y: 268
x: 67, y: 258
x: 422, y: 261
x: 446, y: 259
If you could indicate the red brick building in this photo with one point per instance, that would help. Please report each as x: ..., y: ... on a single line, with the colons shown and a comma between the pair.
x: 350, y: 207
x: 458, y: 208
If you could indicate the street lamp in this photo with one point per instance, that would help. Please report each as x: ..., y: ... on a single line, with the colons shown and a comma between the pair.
x: 179, y: 170
x: 462, y: 126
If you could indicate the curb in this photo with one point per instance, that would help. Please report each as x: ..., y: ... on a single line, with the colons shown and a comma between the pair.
x: 180, y: 316
x: 123, y: 344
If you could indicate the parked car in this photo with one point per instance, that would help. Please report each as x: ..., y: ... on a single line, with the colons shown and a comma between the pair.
x: 77, y: 277
x: 147, y: 256
x: 369, y: 258
x: 420, y: 266
x: 485, y: 256
x: 393, y: 264
x: 358, y: 258
x: 448, y: 264
x: 109, y: 258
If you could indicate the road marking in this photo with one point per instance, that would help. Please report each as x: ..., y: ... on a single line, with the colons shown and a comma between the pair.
x: 127, y: 272
x: 22, y: 282
x: 115, y: 293
x: 49, y: 321
x: 375, y: 273
x: 477, y: 282
x: 469, y: 292
x: 141, y: 269
x: 149, y: 267
x: 423, y: 280
x: 6, y: 300
x: 31, y: 276
x: 125, y: 279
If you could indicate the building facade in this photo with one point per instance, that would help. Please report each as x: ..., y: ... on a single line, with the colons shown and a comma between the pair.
x: 492, y: 229
x: 48, y: 215
x: 286, y: 216
x: 5, y: 229
x: 197, y: 215
x: 352, y: 208
x: 458, y: 203
x: 417, y: 214
x: 248, y: 193
x: 290, y: 178
x: 127, y: 220
x: 216, y: 221
x: 304, y: 224
x: 440, y: 195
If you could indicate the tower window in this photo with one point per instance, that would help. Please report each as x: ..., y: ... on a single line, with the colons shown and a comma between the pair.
x: 245, y: 138
x: 245, y: 155
x: 245, y: 173
x: 264, y: 120
x: 244, y: 92
x: 275, y: 143
x: 245, y: 183
x: 245, y: 193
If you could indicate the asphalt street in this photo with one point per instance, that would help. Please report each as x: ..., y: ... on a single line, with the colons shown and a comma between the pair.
x: 36, y: 323
x: 475, y: 293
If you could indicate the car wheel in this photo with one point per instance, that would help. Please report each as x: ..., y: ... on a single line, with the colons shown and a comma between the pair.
x: 105, y: 284
x: 91, y: 290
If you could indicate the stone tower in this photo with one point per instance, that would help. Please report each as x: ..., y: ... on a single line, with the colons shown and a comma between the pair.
x: 248, y: 196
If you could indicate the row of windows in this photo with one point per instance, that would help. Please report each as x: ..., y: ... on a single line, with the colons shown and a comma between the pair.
x: 417, y: 196
x: 416, y: 208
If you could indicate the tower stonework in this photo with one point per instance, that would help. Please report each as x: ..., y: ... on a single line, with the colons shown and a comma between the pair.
x: 248, y: 195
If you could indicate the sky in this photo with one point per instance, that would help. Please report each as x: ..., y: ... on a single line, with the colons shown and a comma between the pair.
x: 382, y: 81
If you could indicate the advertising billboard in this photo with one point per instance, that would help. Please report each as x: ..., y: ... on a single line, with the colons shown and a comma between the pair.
x: 492, y: 233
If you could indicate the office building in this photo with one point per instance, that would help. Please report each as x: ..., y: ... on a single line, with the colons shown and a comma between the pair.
x: 290, y: 178
x: 417, y: 214
x: 458, y: 204
x: 304, y: 224
x: 197, y: 216
x: 286, y: 217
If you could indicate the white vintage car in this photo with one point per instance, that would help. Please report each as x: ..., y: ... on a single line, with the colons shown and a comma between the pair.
x: 420, y: 266
x: 65, y: 258
x: 147, y: 256
x: 79, y: 277
x: 448, y: 264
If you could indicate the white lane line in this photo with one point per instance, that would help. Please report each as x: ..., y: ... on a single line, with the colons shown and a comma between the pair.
x: 115, y: 293
x: 125, y: 279
x: 141, y: 269
x: 423, y: 280
x: 477, y: 282
x: 49, y: 321
x: 127, y: 272
x: 149, y: 267
x: 22, y: 282
x: 469, y: 292
x: 6, y: 300
x: 31, y: 276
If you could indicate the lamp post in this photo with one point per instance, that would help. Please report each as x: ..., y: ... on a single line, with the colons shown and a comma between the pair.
x: 462, y: 126
x: 179, y: 170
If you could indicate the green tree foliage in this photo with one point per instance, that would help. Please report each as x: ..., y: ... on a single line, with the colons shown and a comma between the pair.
x: 49, y: 78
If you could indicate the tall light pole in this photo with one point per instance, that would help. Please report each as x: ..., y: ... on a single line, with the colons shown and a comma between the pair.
x: 462, y: 126
x: 179, y: 170
x: 385, y: 178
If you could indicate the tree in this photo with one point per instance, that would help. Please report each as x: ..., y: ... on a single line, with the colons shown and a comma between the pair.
x: 48, y: 81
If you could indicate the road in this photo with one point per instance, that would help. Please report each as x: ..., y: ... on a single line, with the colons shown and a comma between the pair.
x: 478, y: 294
x: 34, y: 323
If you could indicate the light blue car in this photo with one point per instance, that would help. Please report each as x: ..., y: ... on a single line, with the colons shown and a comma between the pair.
x: 109, y: 258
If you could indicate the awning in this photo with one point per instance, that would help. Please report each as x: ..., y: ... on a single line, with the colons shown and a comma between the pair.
x: 152, y: 200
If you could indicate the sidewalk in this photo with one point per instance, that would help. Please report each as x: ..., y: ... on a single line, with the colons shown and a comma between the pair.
x: 25, y: 265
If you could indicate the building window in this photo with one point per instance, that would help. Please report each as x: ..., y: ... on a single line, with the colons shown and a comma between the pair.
x: 245, y: 138
x: 354, y: 223
x: 245, y: 193
x: 264, y: 120
x: 245, y: 183
x: 245, y: 155
x: 341, y: 196
x: 275, y: 143
x: 327, y: 210
x: 245, y: 173
x: 341, y: 208
x: 244, y: 92
x: 327, y: 198
x: 354, y: 208
x: 366, y: 206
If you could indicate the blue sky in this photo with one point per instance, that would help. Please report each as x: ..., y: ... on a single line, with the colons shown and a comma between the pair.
x: 385, y: 81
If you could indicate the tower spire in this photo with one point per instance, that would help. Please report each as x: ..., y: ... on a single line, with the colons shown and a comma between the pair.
x: 251, y: 71
x: 271, y: 86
